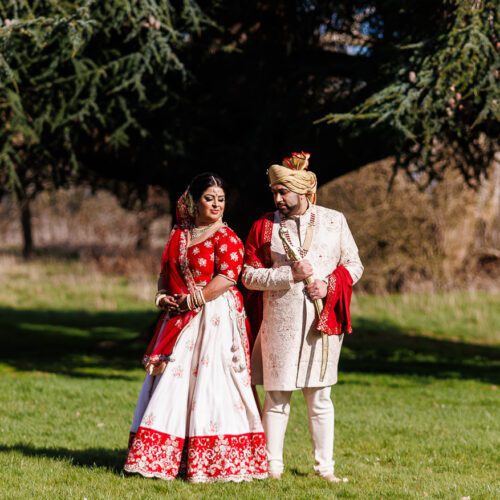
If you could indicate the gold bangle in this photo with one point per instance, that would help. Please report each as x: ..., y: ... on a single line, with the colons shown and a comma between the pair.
x: 158, y: 299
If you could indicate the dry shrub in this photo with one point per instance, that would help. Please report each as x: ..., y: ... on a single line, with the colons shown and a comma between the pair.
x: 446, y: 236
x: 78, y: 217
x: 128, y: 263
x: 93, y: 227
x: 413, y: 240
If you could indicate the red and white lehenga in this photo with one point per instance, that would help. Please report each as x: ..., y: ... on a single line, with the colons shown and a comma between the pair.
x: 199, y: 418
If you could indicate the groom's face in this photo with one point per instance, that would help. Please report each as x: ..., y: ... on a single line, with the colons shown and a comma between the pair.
x: 286, y: 201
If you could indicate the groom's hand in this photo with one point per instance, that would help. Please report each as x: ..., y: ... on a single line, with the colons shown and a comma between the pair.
x: 317, y: 290
x: 301, y: 270
x: 169, y: 303
x: 181, y: 299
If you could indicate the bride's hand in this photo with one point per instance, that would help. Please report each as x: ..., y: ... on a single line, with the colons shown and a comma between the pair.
x: 154, y: 370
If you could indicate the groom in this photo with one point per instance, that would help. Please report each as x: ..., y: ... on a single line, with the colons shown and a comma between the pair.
x: 288, y: 350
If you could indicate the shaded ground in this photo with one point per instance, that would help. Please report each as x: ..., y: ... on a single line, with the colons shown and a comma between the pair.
x: 72, y: 343
x: 110, y: 459
x: 379, y: 347
x: 76, y: 343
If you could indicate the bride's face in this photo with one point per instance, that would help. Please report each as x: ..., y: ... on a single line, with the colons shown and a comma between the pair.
x: 211, y: 205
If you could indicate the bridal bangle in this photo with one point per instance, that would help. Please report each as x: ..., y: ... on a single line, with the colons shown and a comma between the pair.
x: 199, y: 298
x: 195, y: 300
x: 160, y: 294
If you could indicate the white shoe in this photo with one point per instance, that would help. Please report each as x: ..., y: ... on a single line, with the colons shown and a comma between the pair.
x: 275, y: 475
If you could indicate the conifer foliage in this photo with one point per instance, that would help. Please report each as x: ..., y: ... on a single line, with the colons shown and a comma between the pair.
x: 438, y: 93
x: 74, y: 77
x: 98, y: 89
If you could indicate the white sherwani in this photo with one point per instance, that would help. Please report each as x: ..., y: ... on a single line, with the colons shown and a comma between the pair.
x: 287, y: 352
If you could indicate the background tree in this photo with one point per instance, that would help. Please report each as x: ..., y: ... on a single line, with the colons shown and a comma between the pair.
x: 416, y: 79
x: 437, y: 87
x: 78, y: 81
x: 152, y: 93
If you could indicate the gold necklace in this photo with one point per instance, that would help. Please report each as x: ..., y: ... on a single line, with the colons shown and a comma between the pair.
x: 309, y: 233
x: 196, y: 232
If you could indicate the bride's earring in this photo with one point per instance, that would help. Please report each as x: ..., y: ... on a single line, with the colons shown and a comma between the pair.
x: 193, y: 209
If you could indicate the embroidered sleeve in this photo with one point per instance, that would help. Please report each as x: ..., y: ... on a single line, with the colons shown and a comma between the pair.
x: 228, y: 254
x: 277, y: 278
x: 349, y: 257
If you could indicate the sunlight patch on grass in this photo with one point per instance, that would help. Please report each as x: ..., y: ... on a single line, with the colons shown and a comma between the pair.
x: 471, y: 316
x: 51, y: 284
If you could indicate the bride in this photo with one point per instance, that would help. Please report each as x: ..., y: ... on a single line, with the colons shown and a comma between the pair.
x: 196, y: 416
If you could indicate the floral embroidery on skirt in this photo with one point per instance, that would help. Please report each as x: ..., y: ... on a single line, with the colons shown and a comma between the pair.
x: 199, y: 419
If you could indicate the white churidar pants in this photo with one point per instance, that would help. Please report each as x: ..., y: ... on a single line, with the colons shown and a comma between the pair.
x: 321, y: 426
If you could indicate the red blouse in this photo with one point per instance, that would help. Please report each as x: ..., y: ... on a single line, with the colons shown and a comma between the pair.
x: 221, y: 253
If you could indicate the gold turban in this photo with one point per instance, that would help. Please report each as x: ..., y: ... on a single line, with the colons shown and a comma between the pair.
x: 293, y: 174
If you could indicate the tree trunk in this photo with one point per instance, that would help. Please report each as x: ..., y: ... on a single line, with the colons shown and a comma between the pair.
x: 143, y: 238
x: 26, y: 228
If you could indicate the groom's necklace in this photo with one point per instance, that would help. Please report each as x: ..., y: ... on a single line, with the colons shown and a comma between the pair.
x: 309, y: 233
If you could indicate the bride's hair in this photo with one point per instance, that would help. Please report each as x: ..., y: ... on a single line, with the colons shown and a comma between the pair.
x: 203, y: 181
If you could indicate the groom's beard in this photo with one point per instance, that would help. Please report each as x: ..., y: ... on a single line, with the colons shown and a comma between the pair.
x: 288, y: 209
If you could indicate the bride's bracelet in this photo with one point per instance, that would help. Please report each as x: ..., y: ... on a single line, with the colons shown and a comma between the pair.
x: 160, y: 294
x: 195, y: 300
x: 199, y: 298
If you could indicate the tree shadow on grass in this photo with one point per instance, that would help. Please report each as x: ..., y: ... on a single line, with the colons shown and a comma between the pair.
x: 75, y: 343
x: 104, y: 458
x: 92, y: 345
x: 383, y: 348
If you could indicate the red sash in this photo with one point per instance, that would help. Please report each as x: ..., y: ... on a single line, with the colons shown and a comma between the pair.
x: 336, y: 316
x: 258, y: 254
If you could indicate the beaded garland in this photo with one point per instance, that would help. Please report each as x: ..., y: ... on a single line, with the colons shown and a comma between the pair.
x: 309, y: 234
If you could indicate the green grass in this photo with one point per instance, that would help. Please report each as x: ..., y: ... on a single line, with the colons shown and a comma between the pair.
x: 417, y: 408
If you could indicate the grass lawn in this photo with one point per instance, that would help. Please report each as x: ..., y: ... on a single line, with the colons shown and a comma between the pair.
x: 417, y: 405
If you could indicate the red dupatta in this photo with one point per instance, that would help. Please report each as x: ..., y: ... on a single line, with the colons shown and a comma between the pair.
x: 178, y: 279
x: 335, y: 318
x: 258, y: 255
